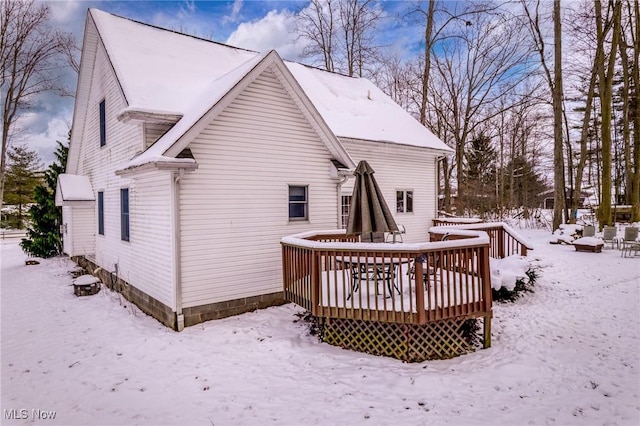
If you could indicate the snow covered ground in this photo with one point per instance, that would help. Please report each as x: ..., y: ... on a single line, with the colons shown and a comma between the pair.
x: 567, y: 354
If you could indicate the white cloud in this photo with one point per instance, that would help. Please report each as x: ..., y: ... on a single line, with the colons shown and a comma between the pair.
x: 44, y: 143
x: 235, y: 12
x: 276, y: 31
x: 63, y: 12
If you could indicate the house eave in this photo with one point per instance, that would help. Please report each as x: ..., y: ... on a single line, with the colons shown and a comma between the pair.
x: 169, y: 165
x: 145, y: 116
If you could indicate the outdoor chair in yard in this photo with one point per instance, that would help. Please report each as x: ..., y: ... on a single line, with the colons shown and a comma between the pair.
x: 630, y: 243
x: 609, y: 235
x: 589, y: 231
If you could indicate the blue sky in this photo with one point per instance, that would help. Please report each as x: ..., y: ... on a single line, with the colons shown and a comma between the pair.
x: 252, y: 24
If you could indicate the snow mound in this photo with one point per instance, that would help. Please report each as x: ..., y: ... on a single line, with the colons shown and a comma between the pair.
x: 505, y: 272
x: 588, y: 241
x: 566, y: 233
x: 86, y: 280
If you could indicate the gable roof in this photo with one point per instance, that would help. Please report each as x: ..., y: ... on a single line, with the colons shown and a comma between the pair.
x: 169, y: 73
x: 220, y: 93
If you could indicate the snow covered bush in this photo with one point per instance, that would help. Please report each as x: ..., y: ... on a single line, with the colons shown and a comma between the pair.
x: 510, y: 277
x: 566, y: 234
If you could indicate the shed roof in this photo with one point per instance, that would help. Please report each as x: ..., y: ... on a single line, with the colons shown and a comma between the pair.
x: 73, y: 189
x: 162, y: 70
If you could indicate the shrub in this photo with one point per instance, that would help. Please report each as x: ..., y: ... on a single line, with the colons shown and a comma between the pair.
x: 523, y: 285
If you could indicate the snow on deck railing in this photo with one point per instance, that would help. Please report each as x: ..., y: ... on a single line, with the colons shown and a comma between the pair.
x: 409, y: 283
x: 305, y: 239
x: 505, y: 236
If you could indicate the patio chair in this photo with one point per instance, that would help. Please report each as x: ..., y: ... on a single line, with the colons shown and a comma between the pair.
x: 429, y: 269
x: 630, y: 241
x: 609, y: 235
x: 588, y: 231
x: 396, y: 236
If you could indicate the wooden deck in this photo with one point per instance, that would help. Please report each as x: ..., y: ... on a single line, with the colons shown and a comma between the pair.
x: 337, y: 278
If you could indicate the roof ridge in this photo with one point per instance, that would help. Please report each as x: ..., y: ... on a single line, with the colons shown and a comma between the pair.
x: 173, y: 31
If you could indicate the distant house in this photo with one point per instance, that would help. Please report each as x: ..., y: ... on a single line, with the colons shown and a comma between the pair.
x: 189, y: 161
x: 548, y: 200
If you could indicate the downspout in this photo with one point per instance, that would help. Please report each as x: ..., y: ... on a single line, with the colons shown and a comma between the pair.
x: 177, y: 258
x: 439, y: 162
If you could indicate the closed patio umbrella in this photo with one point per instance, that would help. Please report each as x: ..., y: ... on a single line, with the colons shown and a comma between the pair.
x: 369, y: 212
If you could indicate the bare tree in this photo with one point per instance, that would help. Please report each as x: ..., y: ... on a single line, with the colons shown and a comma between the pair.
x: 629, y: 45
x: 341, y: 33
x: 316, y: 23
x: 605, y: 68
x: 479, y: 63
x: 635, y: 72
x: 556, y: 89
x: 358, y: 20
x: 30, y: 63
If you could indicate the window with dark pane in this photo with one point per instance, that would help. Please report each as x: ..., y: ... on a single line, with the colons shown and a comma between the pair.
x: 103, y: 123
x: 409, y: 202
x: 404, y: 201
x: 298, y: 202
x: 346, y: 207
x: 124, y: 214
x: 101, y: 213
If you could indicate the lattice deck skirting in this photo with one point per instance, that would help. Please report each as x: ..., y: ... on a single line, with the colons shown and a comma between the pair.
x: 407, y: 342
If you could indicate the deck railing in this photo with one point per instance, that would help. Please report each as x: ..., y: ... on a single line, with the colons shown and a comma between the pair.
x: 454, y: 221
x: 504, y: 240
x: 332, y: 276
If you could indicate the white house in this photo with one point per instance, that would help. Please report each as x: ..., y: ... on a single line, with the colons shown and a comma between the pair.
x: 189, y: 161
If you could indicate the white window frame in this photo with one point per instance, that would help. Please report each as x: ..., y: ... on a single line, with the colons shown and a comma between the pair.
x: 304, y: 202
x: 345, y: 208
x: 402, y: 208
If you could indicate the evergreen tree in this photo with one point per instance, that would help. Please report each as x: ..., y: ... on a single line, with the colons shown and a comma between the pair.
x: 528, y: 185
x: 21, y: 179
x: 480, y: 176
x: 44, y: 238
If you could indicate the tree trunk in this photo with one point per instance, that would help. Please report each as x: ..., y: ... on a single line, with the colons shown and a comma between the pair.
x: 635, y: 187
x: 428, y: 42
x: 558, y: 157
x: 605, y: 76
x: 584, y: 133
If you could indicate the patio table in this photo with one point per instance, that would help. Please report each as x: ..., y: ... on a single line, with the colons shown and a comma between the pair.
x: 372, y: 268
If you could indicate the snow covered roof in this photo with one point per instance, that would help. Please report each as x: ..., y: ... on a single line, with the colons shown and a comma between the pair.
x: 162, y: 70
x: 73, y: 189
x: 356, y: 108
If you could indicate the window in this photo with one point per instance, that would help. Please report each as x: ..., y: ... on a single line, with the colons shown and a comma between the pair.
x: 404, y: 201
x: 124, y: 214
x: 298, y: 203
x: 103, y: 123
x: 101, y: 213
x: 346, y: 207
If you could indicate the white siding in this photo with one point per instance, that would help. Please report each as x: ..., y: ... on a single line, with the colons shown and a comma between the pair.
x: 79, y: 230
x: 145, y: 260
x: 399, y: 167
x: 84, y: 230
x: 151, y: 233
x: 153, y: 131
x: 234, y: 207
x: 67, y: 224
